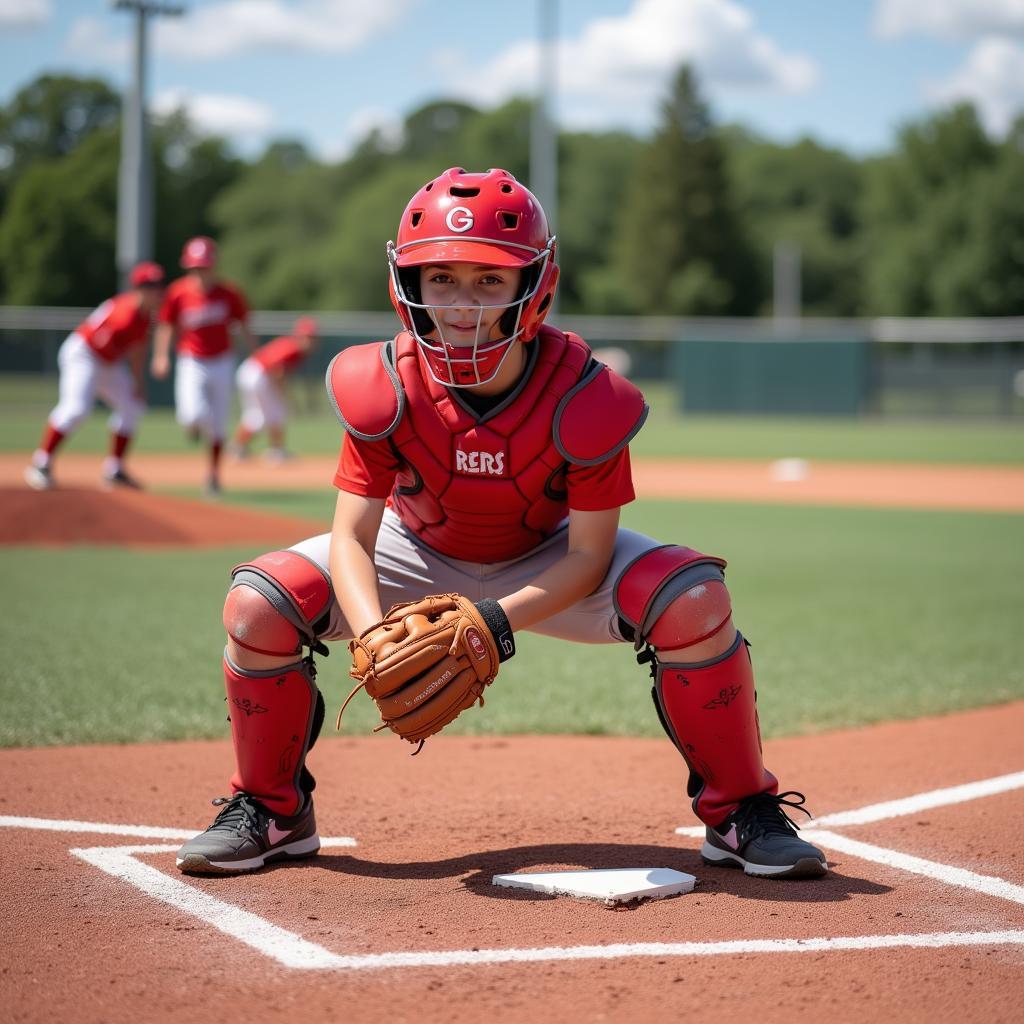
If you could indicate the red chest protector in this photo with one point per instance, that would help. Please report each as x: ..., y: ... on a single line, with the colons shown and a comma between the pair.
x: 485, y: 488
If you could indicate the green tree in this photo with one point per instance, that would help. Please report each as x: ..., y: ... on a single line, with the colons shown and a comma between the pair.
x: 46, y: 120
x: 921, y: 207
x: 271, y: 221
x: 58, y: 231
x: 594, y: 170
x: 808, y: 195
x: 680, y: 246
x: 49, y: 117
x: 191, y: 171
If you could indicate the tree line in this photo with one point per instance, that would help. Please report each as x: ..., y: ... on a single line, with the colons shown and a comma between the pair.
x: 681, y: 223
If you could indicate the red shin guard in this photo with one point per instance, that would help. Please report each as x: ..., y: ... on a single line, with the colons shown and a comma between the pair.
x: 709, y: 711
x: 275, y: 717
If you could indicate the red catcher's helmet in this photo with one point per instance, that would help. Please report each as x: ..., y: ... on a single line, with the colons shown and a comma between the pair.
x: 484, y: 218
x: 146, y: 274
x: 199, y: 252
x: 306, y: 326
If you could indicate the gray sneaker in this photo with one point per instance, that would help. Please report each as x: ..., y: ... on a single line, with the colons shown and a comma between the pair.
x: 39, y: 478
x: 760, y: 838
x: 245, y: 836
x: 119, y: 478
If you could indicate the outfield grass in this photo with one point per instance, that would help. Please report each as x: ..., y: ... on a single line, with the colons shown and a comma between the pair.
x: 26, y: 400
x: 855, y: 616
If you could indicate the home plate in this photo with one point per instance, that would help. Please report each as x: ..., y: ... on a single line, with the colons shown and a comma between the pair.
x: 617, y: 885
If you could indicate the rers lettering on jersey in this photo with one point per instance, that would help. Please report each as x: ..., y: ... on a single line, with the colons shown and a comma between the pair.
x: 480, y: 463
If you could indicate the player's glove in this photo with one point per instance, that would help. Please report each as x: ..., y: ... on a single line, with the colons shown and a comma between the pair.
x: 429, y: 660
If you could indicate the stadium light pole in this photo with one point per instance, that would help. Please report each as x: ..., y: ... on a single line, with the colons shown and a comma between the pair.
x: 135, y: 179
x: 543, y: 128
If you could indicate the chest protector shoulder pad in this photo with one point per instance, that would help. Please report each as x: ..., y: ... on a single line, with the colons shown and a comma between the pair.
x: 598, y: 417
x: 365, y: 390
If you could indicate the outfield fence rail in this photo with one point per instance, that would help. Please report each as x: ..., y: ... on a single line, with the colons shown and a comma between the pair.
x: 889, y: 366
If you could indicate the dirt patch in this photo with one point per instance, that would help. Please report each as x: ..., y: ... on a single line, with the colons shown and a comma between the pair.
x: 853, y: 484
x: 413, y: 907
x: 134, y: 518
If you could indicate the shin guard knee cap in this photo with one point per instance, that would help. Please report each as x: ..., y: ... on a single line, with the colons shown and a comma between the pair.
x: 673, y: 597
x: 253, y: 623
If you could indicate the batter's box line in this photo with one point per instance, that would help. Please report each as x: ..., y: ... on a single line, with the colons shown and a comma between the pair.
x: 292, y: 950
x: 904, y: 806
x: 947, y: 873
x: 134, y: 831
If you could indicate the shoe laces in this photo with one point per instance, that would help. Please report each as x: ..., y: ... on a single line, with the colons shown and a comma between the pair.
x: 240, y: 813
x: 764, y: 813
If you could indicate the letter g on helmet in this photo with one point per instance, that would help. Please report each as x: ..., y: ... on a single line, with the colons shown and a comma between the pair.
x: 486, y: 218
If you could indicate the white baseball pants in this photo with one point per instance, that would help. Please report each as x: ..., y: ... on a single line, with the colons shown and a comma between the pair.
x: 202, y: 394
x: 84, y: 377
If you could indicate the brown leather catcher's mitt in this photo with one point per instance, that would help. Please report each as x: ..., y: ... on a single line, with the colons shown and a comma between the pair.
x: 429, y: 660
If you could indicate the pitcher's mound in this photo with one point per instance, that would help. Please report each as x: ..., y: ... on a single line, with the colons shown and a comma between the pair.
x: 86, y: 516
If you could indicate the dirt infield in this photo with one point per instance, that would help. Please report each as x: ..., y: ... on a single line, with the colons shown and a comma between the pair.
x: 132, y: 518
x: 920, y: 919
x: 980, y: 488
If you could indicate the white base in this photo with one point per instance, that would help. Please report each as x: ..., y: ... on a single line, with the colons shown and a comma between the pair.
x: 617, y: 885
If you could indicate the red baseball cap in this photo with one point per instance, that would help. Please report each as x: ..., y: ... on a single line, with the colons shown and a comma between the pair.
x: 146, y: 273
x: 307, y: 326
x: 199, y: 252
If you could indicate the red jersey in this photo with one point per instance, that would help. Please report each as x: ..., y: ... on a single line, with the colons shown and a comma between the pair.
x: 485, y: 487
x: 281, y: 354
x: 116, y: 326
x: 203, y: 319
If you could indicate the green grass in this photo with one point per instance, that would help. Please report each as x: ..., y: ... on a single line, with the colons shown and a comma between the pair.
x: 855, y: 616
x: 25, y: 401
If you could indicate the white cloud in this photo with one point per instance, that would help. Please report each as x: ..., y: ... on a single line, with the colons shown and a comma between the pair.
x: 227, y: 28
x: 618, y: 67
x: 949, y: 19
x: 217, y: 114
x: 992, y: 78
x: 232, y: 27
x: 24, y: 13
x: 387, y: 123
x: 88, y: 36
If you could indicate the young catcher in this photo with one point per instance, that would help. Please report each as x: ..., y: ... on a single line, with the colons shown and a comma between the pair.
x: 483, y: 467
x: 105, y: 358
x: 261, y: 388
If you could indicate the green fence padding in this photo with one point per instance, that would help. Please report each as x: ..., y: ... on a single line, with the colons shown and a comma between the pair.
x: 808, y: 376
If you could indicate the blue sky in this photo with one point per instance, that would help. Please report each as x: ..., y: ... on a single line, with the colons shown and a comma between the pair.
x: 324, y: 71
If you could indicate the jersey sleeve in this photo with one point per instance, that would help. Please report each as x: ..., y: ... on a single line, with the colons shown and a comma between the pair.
x: 608, y: 484
x: 368, y: 468
x: 101, y: 322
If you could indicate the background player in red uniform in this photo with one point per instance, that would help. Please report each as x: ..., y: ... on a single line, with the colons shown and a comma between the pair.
x: 105, y: 357
x: 486, y: 454
x: 261, y: 387
x: 198, y: 314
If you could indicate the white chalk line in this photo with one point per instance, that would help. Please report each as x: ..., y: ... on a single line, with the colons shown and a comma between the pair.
x: 286, y: 947
x: 907, y: 805
x: 923, y: 801
x: 293, y: 951
x: 988, y: 884
x: 136, y: 831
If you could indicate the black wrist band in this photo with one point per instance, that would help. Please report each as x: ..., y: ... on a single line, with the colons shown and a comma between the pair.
x: 497, y: 622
